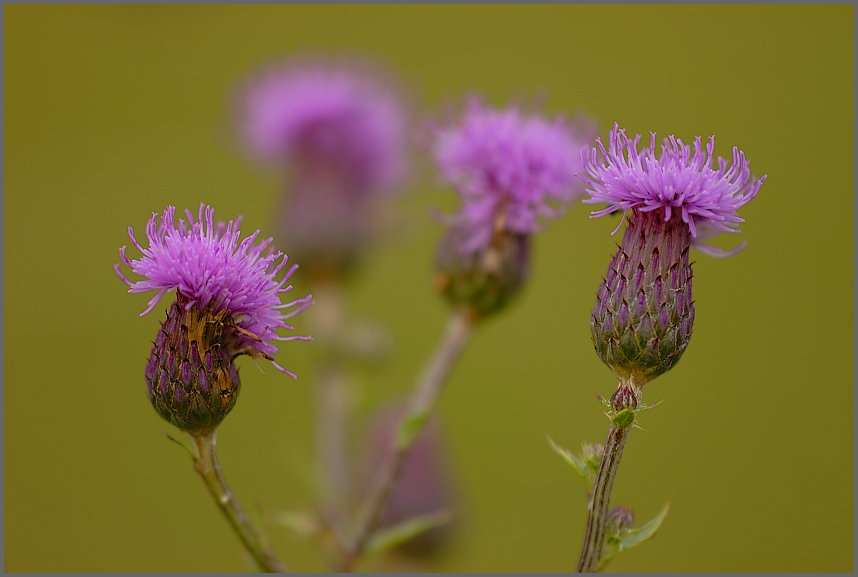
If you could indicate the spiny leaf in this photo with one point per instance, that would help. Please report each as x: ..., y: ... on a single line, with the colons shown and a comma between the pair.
x: 635, y: 537
x: 577, y: 463
x: 402, y: 532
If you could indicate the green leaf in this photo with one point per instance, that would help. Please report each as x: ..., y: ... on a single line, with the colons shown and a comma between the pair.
x: 624, y: 419
x: 577, y: 463
x: 410, y: 428
x: 301, y: 523
x: 402, y: 532
x: 635, y: 537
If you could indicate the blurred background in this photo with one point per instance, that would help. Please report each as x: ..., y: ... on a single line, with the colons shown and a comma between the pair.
x: 112, y: 113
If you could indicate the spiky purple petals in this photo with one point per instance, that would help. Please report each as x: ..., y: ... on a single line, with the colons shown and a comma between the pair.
x: 677, y: 182
x: 509, y: 168
x: 348, y: 117
x: 211, y: 267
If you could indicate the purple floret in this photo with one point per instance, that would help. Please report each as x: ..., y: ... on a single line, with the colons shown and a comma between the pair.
x: 209, y: 265
x: 508, y: 165
x: 346, y: 116
x: 677, y: 182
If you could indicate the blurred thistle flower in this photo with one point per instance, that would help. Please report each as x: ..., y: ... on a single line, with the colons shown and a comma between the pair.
x: 227, y: 304
x: 340, y: 130
x: 424, y: 488
x: 644, y: 314
x: 510, y: 169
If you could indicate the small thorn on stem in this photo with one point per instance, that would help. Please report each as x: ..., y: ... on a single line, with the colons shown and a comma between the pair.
x: 654, y: 405
x: 180, y: 443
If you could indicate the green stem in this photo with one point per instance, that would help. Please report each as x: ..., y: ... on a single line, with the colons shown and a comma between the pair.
x: 256, y: 542
x: 594, y: 538
x: 420, y: 408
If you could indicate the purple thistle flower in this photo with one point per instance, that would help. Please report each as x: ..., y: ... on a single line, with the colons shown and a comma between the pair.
x: 509, y: 168
x: 227, y: 304
x: 676, y: 183
x: 644, y: 313
x: 208, y: 266
x: 347, y: 117
x: 340, y: 130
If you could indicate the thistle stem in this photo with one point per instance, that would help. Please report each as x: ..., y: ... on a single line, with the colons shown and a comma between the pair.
x: 256, y: 542
x: 331, y: 405
x: 420, y: 407
x: 332, y: 410
x: 594, y: 538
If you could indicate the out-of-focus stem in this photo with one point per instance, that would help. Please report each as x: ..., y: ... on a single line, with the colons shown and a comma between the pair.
x: 256, y: 542
x: 420, y: 408
x: 331, y: 404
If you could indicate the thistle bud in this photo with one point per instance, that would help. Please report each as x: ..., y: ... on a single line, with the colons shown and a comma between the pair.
x: 625, y: 398
x: 620, y: 518
x: 191, y: 378
x: 425, y: 486
x: 642, y: 320
x: 485, y: 281
x: 643, y: 316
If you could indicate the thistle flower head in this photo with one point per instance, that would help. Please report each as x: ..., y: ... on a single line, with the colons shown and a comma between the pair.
x: 227, y: 304
x: 677, y: 183
x: 644, y: 313
x: 509, y: 168
x: 345, y: 117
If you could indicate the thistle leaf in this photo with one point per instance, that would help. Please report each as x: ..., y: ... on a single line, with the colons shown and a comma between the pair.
x: 635, y: 537
x: 577, y: 463
x: 402, y: 532
x: 303, y: 524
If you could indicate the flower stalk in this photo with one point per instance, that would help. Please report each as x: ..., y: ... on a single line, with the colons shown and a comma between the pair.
x: 623, y: 407
x: 253, y: 538
x: 331, y: 406
x: 597, y: 519
x: 420, y: 408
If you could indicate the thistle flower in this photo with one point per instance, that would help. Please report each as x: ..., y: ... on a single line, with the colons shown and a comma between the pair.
x: 340, y: 130
x: 345, y: 116
x: 227, y: 304
x: 644, y: 313
x: 510, y: 170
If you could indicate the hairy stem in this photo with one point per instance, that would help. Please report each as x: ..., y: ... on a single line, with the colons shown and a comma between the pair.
x: 420, y: 408
x: 256, y: 542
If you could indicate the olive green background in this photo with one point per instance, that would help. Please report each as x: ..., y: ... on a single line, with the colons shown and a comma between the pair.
x: 112, y: 113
